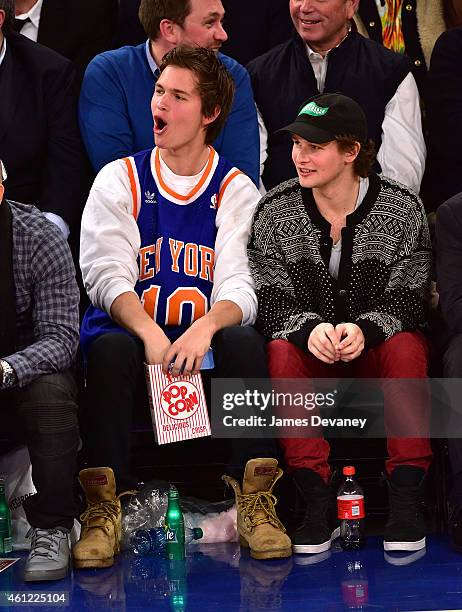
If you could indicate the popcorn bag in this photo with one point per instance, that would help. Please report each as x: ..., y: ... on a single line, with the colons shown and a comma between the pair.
x: 178, y: 408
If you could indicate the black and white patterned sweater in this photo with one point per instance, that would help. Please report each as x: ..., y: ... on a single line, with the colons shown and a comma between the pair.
x: 384, y: 272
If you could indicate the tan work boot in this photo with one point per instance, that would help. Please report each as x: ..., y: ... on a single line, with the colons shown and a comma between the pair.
x: 257, y: 523
x: 101, y: 521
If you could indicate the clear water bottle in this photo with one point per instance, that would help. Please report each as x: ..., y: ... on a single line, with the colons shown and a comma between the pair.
x: 350, y: 506
x: 154, y: 541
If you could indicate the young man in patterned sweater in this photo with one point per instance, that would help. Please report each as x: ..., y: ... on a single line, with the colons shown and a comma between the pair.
x: 341, y: 261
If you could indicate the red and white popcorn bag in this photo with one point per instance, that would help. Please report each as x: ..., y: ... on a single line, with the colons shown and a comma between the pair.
x: 178, y: 408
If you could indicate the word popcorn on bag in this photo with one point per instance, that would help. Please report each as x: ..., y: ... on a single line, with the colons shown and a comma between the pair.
x: 178, y: 408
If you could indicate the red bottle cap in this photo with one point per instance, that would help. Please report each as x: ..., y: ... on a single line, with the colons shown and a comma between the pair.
x: 349, y: 470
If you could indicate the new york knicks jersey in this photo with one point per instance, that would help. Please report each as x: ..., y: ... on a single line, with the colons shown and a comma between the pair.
x: 176, y: 257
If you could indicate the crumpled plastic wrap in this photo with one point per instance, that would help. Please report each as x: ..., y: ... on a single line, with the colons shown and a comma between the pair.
x: 147, y: 509
x: 144, y: 510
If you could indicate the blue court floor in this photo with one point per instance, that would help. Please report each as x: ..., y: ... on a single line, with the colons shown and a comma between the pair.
x: 223, y: 577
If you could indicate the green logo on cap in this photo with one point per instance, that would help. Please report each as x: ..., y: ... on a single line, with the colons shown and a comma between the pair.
x: 314, y: 110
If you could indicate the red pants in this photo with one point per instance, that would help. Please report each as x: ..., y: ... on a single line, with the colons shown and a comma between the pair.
x: 404, y: 355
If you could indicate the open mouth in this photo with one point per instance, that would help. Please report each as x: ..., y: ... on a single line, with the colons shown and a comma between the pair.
x: 159, y: 125
x: 305, y: 172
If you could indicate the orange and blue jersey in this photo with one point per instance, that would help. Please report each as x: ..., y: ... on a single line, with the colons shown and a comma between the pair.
x: 177, y: 252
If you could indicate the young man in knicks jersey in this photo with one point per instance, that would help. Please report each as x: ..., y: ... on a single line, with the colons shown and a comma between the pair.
x: 164, y: 261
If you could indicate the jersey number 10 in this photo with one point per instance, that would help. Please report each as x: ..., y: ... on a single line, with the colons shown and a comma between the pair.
x: 174, y: 304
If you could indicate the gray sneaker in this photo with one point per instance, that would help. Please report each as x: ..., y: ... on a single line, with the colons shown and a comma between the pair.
x: 49, y: 554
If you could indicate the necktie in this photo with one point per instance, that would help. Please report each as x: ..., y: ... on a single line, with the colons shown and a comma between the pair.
x: 20, y: 23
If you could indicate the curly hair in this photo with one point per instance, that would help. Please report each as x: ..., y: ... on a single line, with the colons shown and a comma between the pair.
x: 366, y: 156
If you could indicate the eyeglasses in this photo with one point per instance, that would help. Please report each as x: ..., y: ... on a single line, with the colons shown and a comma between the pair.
x: 3, y: 171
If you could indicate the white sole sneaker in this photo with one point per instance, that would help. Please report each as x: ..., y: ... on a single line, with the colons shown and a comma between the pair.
x: 312, y: 549
x: 405, y: 559
x: 312, y: 559
x: 411, y: 546
x: 42, y: 575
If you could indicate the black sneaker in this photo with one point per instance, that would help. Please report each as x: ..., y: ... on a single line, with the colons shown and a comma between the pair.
x: 320, y: 525
x: 405, y: 529
x: 455, y: 527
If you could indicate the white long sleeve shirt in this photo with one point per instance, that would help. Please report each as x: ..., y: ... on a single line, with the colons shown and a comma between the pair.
x: 110, y: 239
x: 31, y: 21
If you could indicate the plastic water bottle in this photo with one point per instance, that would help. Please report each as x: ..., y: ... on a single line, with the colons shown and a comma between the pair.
x: 154, y: 541
x: 6, y: 542
x: 350, y: 506
x: 216, y: 527
x: 149, y: 541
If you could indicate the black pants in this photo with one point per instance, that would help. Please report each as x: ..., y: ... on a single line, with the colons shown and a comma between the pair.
x: 43, y: 415
x: 116, y: 390
x: 452, y: 362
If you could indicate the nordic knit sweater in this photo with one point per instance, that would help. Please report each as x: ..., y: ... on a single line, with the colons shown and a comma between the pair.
x: 384, y: 271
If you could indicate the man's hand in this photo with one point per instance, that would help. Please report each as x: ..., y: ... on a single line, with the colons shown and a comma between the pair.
x: 323, y: 343
x: 127, y: 311
x: 155, y: 348
x: 189, y: 350
x: 352, y: 341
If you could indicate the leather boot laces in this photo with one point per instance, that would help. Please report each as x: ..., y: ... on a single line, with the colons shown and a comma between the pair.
x: 258, y: 508
x: 108, y: 510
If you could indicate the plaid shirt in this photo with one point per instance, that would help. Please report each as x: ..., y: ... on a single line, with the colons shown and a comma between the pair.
x: 47, y: 297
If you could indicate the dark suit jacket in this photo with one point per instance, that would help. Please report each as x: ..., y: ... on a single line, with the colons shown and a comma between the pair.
x: 78, y: 29
x: 444, y: 117
x: 40, y: 141
x: 255, y: 27
x: 449, y: 262
x: 129, y: 29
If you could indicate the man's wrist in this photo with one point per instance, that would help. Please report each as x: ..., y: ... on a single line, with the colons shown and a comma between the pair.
x: 208, y: 323
x: 8, y: 376
x: 153, y: 335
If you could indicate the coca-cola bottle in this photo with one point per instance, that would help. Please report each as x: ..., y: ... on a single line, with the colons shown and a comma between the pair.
x: 355, y: 587
x: 350, y: 506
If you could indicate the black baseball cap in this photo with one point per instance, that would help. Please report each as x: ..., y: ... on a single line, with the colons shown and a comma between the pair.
x: 326, y: 116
